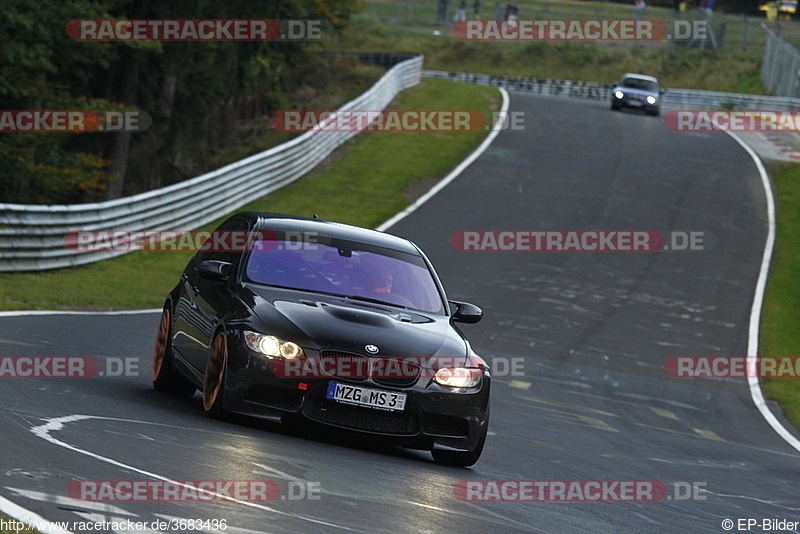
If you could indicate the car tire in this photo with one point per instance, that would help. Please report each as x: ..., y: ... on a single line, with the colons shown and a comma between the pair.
x: 615, y: 106
x: 654, y: 112
x: 463, y: 458
x: 214, y: 376
x: 165, y: 378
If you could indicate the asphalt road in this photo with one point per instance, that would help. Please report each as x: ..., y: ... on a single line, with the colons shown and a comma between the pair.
x: 589, y: 333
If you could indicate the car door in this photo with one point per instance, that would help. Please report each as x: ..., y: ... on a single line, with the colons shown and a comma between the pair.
x: 202, y: 299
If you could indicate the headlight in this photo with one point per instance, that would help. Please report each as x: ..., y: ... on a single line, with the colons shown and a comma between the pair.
x: 651, y: 100
x: 619, y: 94
x: 458, y: 377
x: 272, y: 346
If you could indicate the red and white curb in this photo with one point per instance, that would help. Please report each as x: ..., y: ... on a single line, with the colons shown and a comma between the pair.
x: 776, y: 145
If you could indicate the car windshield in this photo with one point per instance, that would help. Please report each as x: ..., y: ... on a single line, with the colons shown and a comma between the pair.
x: 347, y: 269
x: 638, y: 83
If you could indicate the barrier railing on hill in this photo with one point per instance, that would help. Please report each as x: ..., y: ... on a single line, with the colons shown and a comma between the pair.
x: 32, y: 237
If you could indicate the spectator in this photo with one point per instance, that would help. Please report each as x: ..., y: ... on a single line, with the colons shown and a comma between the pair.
x: 639, y: 6
x: 476, y: 8
x: 499, y: 11
x: 442, y: 14
x: 512, y: 14
x: 461, y: 14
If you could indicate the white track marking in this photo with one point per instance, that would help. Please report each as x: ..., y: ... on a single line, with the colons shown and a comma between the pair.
x: 26, y: 516
x: 758, y: 300
x: 56, y: 424
x: 453, y: 174
x: 63, y: 501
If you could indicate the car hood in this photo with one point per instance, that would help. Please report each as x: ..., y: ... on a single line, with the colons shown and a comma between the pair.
x: 320, y: 322
x: 641, y: 93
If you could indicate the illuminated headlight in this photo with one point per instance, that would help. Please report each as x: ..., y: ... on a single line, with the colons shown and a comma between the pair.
x: 272, y: 346
x: 458, y: 377
x: 619, y: 94
x: 651, y: 100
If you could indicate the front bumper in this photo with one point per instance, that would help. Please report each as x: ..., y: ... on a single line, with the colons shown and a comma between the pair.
x: 434, y: 417
x: 634, y: 102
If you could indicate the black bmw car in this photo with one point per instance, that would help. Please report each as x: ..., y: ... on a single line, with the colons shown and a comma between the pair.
x: 282, y: 316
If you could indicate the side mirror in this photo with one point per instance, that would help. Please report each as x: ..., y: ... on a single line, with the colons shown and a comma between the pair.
x: 466, y: 312
x: 214, y: 269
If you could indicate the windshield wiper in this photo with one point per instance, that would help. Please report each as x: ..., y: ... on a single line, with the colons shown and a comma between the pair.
x: 375, y: 301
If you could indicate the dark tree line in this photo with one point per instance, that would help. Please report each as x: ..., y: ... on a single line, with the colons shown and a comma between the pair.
x: 197, y: 93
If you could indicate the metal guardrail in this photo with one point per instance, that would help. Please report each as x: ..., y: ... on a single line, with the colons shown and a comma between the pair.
x: 673, y: 98
x: 32, y: 237
x: 693, y: 99
x: 567, y: 88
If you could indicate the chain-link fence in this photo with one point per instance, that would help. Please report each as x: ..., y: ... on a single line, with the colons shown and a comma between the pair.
x: 780, y: 70
x: 721, y: 31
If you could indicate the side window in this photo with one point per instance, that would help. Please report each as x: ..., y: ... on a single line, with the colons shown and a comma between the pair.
x: 225, y: 243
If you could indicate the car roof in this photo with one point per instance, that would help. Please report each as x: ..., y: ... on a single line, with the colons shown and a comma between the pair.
x: 640, y: 76
x: 296, y: 223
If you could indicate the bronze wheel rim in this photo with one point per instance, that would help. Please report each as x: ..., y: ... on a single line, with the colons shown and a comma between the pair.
x: 162, y: 340
x: 215, y: 369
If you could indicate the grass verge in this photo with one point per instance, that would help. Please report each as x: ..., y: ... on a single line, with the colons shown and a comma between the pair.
x: 410, y: 26
x: 780, y: 335
x: 364, y: 183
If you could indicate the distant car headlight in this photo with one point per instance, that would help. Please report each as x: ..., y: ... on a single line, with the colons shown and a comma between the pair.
x: 272, y: 346
x: 619, y: 94
x: 651, y: 99
x: 458, y: 377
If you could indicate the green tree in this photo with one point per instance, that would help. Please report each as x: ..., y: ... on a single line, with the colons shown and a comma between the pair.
x: 196, y: 92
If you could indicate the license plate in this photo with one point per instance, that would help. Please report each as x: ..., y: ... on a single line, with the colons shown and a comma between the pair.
x: 371, y: 398
x: 634, y: 102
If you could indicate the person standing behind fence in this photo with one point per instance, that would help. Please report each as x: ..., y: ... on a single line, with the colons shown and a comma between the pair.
x: 461, y: 14
x: 442, y: 13
x: 512, y: 14
x: 638, y: 11
x: 476, y: 8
